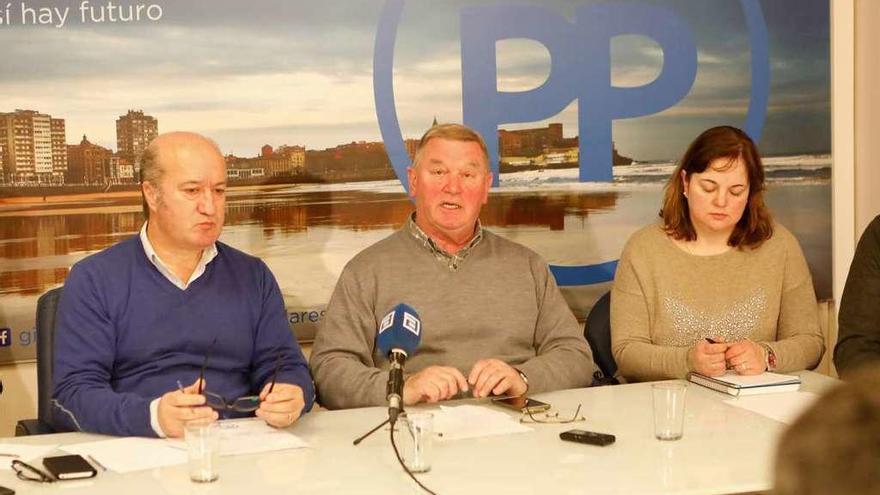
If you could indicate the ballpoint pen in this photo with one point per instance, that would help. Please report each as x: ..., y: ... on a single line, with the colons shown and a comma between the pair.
x: 96, y: 462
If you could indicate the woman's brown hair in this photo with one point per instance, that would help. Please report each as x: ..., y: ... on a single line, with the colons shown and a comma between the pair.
x: 725, y: 142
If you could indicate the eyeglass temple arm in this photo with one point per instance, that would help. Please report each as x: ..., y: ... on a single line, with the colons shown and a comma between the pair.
x: 275, y: 375
x: 205, y: 364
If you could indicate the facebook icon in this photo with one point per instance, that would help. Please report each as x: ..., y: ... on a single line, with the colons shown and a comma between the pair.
x: 5, y: 337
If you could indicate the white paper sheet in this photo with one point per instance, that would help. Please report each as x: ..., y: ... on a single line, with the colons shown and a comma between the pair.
x: 11, y: 451
x: 783, y: 407
x: 250, y: 436
x: 459, y: 422
x: 124, y: 455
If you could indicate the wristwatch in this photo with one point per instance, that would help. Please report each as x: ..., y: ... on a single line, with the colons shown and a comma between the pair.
x: 525, y: 379
x: 769, y: 356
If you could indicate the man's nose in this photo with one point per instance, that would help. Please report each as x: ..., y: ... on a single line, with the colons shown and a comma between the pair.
x: 453, y: 183
x: 207, y: 202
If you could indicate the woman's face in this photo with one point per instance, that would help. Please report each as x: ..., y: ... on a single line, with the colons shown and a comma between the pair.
x: 718, y: 196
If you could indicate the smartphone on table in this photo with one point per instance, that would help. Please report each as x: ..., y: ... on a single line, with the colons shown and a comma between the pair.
x: 588, y: 437
x: 522, y: 404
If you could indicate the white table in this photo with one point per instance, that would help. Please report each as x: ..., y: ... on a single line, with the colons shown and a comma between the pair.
x: 725, y: 449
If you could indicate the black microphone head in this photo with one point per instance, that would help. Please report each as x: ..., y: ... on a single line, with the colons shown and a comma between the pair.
x: 400, y: 329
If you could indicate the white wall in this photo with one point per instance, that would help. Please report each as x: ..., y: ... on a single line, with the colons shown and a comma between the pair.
x: 867, y: 114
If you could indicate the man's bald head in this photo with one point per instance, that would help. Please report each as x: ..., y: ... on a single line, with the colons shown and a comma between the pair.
x: 166, y: 147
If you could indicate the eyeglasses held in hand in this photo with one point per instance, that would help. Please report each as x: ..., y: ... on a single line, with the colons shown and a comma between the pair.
x: 550, y: 417
x: 26, y: 472
x: 248, y: 403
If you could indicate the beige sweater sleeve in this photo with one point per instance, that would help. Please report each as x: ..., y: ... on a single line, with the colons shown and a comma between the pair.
x: 799, y: 344
x: 637, y: 357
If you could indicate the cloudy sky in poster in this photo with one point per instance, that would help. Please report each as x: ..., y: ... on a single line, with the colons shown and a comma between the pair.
x: 297, y: 72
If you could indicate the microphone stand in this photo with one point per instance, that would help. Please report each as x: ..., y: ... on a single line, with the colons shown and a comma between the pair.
x: 364, y: 436
x: 395, y: 386
x: 395, y: 382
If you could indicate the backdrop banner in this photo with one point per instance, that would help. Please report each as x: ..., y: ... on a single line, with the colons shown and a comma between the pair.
x: 318, y: 107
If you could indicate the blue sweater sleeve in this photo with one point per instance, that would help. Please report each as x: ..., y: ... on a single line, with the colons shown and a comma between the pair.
x: 85, y: 349
x: 273, y: 335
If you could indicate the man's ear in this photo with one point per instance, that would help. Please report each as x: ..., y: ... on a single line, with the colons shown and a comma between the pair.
x: 151, y: 195
x: 413, y: 179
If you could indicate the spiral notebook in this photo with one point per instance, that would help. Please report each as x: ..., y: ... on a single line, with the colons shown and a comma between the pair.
x: 736, y: 385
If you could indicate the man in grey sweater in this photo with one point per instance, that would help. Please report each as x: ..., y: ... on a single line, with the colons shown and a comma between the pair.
x: 493, y: 319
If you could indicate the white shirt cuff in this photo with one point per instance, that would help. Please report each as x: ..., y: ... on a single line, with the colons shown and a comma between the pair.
x: 154, y: 417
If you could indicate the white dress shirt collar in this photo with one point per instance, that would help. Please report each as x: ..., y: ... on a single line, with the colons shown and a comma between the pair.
x: 207, y: 255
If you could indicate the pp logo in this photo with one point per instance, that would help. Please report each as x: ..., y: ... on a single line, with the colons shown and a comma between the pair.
x: 386, y: 322
x: 5, y: 337
x: 580, y: 70
x: 412, y: 323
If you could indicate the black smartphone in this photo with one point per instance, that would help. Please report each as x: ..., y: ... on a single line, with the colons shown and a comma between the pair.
x: 522, y: 404
x: 69, y: 467
x: 588, y: 437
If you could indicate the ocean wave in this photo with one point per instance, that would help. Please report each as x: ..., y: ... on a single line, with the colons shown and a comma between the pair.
x: 779, y: 170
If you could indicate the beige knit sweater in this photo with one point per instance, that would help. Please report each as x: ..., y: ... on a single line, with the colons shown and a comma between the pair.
x: 665, y: 299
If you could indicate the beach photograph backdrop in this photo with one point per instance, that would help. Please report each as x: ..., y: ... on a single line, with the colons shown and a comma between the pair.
x: 317, y: 107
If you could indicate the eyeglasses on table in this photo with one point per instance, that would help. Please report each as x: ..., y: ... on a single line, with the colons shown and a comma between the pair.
x: 551, y: 417
x: 26, y: 472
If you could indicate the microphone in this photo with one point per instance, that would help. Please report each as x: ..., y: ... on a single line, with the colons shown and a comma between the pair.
x: 399, y: 334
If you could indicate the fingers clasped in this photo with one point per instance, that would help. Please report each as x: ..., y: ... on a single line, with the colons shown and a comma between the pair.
x: 713, y: 359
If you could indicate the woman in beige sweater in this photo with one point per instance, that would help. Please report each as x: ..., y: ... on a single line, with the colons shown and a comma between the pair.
x: 716, y: 284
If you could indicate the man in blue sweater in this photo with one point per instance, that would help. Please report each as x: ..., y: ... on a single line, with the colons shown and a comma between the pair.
x: 173, y: 307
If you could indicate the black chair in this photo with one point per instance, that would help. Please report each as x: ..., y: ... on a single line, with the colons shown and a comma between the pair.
x: 47, y: 305
x: 597, y: 331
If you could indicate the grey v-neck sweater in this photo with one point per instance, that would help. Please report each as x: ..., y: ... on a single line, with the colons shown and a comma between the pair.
x: 501, y: 302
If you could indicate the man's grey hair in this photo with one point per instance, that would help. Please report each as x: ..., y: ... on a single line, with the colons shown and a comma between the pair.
x: 152, y: 172
x: 452, y: 132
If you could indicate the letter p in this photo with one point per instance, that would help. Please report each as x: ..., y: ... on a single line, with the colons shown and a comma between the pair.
x: 580, y: 55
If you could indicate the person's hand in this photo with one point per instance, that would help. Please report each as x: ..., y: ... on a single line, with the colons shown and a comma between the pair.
x: 746, y: 357
x: 178, y: 407
x: 493, y: 376
x: 433, y: 384
x: 708, y: 359
x: 281, y: 407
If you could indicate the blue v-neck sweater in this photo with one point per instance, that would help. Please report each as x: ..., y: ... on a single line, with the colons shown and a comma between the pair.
x: 125, y: 335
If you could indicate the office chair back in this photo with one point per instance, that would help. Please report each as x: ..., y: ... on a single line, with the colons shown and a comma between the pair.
x: 47, y: 306
x: 597, y: 331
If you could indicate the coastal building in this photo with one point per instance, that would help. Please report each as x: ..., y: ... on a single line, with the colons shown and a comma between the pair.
x: 531, y: 142
x: 134, y: 131
x: 33, y: 149
x: 122, y: 170
x: 286, y: 161
x: 88, y: 163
